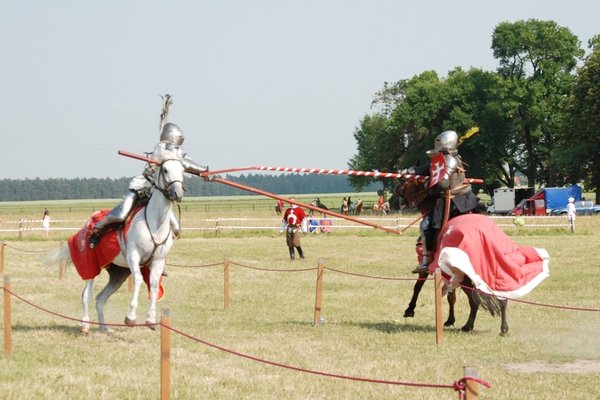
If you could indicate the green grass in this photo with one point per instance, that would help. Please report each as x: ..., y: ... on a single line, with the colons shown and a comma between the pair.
x: 270, y: 317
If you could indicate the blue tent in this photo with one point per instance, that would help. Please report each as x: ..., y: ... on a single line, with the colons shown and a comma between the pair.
x: 559, y: 197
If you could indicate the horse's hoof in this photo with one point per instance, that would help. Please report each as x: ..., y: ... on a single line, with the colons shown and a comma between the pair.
x: 151, y: 324
x: 84, y: 330
x: 449, y: 323
x: 466, y: 328
x: 129, y: 322
x: 408, y: 313
x: 504, y: 333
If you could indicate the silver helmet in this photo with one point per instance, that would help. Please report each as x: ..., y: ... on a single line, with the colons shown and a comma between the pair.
x: 446, y: 142
x: 171, y: 133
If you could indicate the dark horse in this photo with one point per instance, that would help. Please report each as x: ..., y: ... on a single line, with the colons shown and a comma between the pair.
x: 415, y: 196
x: 317, y: 203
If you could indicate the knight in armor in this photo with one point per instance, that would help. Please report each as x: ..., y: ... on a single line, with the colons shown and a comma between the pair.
x: 140, y: 187
x: 441, y: 178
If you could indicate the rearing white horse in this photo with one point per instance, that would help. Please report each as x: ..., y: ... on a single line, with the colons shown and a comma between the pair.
x: 147, y: 242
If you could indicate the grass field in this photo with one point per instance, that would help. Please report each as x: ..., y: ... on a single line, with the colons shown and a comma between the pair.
x: 550, y: 353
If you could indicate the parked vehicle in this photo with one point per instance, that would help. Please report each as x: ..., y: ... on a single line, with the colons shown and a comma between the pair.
x: 547, y: 199
x: 505, y: 199
x: 581, y: 208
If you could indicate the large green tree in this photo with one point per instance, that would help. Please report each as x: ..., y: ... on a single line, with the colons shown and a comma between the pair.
x: 579, y: 150
x: 411, y: 113
x: 536, y: 60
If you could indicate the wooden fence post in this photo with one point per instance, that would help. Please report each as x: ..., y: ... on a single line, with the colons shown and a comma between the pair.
x: 471, y: 386
x: 7, y: 323
x: 2, y: 257
x: 165, y: 354
x: 226, y: 283
x: 439, y: 325
x: 319, y: 294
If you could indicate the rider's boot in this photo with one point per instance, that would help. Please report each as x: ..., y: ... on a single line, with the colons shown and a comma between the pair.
x: 292, y: 254
x: 300, y: 252
x: 424, y: 265
x: 118, y: 215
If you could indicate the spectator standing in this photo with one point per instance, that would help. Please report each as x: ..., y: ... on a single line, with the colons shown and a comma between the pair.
x: 294, y: 224
x: 571, y: 213
x: 46, y: 223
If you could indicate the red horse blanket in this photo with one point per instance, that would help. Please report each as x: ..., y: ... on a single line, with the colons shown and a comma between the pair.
x: 477, y: 247
x: 89, y: 262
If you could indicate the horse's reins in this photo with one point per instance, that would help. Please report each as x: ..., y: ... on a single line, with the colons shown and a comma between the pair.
x: 164, y: 192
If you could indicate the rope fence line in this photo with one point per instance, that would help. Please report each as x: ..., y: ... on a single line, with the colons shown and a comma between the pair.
x: 533, y: 303
x: 272, y: 269
x: 24, y: 250
x: 390, y: 278
x: 194, y: 266
x: 459, y: 386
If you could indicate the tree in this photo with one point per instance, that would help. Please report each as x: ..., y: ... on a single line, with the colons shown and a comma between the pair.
x: 579, y: 150
x: 378, y: 145
x: 536, y: 60
x: 411, y: 113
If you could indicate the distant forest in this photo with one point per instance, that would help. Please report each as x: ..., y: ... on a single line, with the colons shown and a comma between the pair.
x: 107, y: 188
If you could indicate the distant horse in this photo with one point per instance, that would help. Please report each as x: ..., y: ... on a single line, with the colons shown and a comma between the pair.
x: 317, y: 203
x: 357, y: 207
x: 476, y: 255
x: 382, y: 209
x: 146, y: 242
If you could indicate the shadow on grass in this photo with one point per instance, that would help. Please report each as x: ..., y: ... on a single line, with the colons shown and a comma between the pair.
x: 73, y: 330
x: 402, y: 327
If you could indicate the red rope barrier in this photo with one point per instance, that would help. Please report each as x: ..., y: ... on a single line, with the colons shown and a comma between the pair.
x: 26, y: 251
x: 194, y: 266
x: 461, y: 385
x: 272, y: 269
x: 454, y: 386
x: 530, y: 302
x: 70, y: 318
x: 306, y: 370
x: 389, y: 278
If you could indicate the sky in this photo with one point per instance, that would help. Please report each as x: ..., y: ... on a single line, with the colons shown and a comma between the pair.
x: 269, y: 83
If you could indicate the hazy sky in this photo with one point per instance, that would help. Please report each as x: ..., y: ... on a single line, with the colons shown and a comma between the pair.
x: 280, y: 83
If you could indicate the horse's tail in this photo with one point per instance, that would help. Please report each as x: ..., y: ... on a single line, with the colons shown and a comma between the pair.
x: 488, y: 302
x: 57, y: 256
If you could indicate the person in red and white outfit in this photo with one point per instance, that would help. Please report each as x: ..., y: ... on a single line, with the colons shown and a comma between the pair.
x: 294, y: 223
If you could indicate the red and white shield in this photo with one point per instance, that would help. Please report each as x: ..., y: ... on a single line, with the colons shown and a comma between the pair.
x: 437, y: 169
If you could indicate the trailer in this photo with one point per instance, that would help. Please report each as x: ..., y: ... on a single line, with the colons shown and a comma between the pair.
x: 547, y: 199
x: 505, y: 199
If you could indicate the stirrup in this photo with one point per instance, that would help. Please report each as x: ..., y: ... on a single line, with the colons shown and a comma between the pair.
x: 420, y: 269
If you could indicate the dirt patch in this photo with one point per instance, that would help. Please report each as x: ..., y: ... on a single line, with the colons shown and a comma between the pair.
x: 576, y: 367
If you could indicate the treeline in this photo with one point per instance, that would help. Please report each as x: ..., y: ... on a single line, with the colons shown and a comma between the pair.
x: 108, y: 188
x: 537, y: 113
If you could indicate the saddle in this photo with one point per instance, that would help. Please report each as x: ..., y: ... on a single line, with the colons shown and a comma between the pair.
x: 90, y: 262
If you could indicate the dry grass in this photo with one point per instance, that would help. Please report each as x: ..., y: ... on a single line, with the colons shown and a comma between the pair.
x: 550, y: 353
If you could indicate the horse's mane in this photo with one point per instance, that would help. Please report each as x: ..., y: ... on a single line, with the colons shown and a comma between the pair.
x: 413, y: 194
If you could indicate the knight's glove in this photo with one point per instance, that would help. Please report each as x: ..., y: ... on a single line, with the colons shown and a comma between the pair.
x: 211, y: 178
x: 191, y: 167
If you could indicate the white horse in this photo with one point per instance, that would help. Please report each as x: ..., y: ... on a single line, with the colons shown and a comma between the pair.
x: 147, y: 242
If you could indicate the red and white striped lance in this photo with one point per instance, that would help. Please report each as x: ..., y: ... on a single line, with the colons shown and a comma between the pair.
x: 374, y: 174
